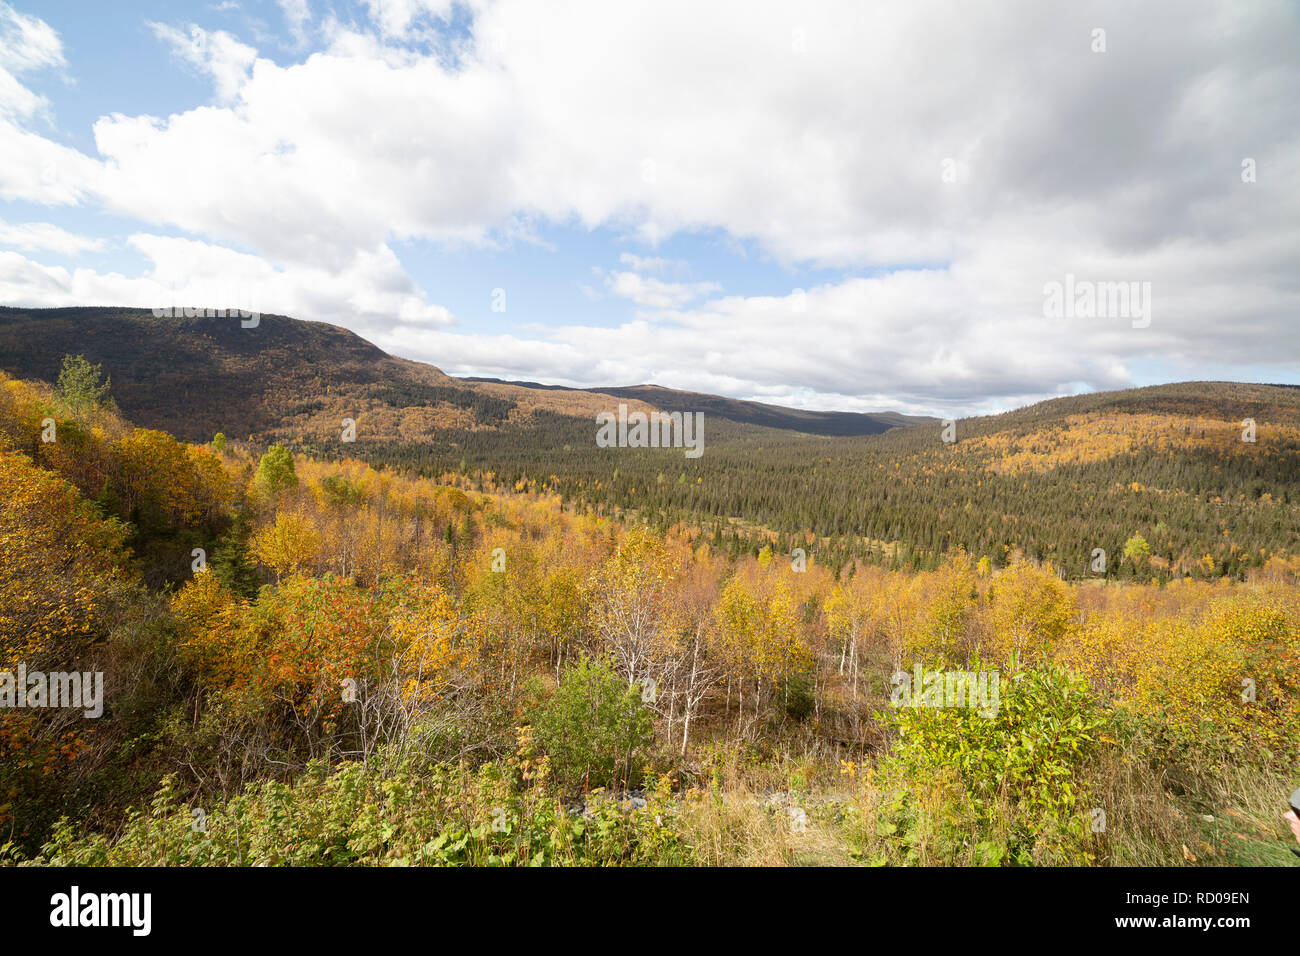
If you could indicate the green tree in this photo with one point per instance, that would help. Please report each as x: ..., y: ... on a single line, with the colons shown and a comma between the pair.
x: 219, y: 441
x: 275, y: 471
x: 232, y: 564
x: 79, y: 386
x: 1136, y: 549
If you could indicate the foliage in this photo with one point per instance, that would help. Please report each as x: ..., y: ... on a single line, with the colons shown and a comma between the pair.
x: 1032, y: 612
x: 761, y: 631
x: 60, y: 564
x: 1016, y: 772
x: 232, y: 562
x: 400, y: 628
x: 287, y: 545
x: 275, y: 472
x: 592, y: 727
x: 353, y: 816
x: 79, y: 386
x: 1136, y: 549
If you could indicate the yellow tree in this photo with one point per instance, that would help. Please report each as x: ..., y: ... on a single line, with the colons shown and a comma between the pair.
x: 948, y: 602
x: 847, y: 619
x: 635, y: 613
x: 422, y: 679
x: 219, y: 644
x: 286, y: 546
x: 763, y: 635
x: 60, y: 565
x: 1032, y: 611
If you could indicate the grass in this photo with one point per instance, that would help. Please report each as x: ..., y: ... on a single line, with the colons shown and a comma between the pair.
x: 1153, y: 818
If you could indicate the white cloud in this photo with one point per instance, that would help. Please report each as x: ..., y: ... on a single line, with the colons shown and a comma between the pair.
x: 925, y: 341
x: 32, y: 167
x: 649, y: 263
x: 371, y: 293
x: 297, y: 14
x: 31, y: 236
x: 219, y: 55
x: 36, y: 169
x: 24, y: 282
x: 395, y: 17
x: 655, y: 293
x: 26, y: 44
x: 830, y: 156
x: 321, y: 159
x: 822, y: 135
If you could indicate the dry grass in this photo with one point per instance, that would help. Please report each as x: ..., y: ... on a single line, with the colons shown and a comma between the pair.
x: 1152, y: 818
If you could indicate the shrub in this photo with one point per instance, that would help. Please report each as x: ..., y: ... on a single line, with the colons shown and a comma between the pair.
x: 439, y: 815
x: 592, y: 726
x: 1226, y: 686
x: 1011, y: 778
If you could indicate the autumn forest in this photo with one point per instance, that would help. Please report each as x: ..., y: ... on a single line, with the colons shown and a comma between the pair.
x: 1067, y: 635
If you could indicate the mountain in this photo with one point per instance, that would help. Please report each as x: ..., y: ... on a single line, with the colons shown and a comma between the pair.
x: 287, y: 377
x: 740, y: 410
x: 194, y: 377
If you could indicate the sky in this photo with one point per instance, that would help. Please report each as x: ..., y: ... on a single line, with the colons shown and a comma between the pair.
x: 832, y: 205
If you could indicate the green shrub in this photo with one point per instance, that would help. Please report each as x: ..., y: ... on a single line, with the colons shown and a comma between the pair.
x: 997, y: 789
x: 592, y: 727
x: 440, y: 815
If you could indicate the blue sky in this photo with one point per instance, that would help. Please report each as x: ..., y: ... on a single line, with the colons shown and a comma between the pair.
x: 785, y: 203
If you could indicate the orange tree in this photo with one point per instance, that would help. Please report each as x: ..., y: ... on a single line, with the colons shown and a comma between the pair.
x: 326, y: 634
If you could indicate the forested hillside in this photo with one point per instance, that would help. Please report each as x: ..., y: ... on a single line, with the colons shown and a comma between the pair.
x: 1164, y: 473
x: 1055, y: 481
x: 327, y: 663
